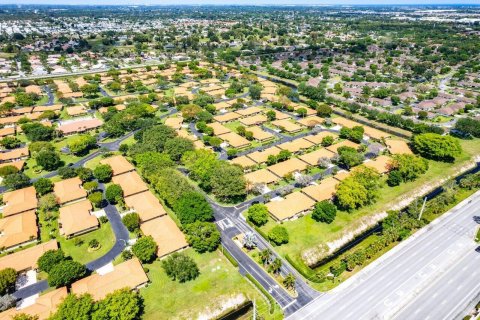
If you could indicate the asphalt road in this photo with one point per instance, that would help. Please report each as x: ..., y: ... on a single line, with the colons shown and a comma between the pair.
x: 432, y: 275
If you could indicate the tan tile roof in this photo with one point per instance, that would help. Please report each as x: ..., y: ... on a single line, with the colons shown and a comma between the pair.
x: 249, y: 111
x: 323, y: 191
x: 287, y: 125
x: 77, y: 218
x: 27, y: 259
x: 80, y: 126
x: 259, y: 134
x: 146, y: 205
x: 289, y: 166
x: 131, y: 183
x: 77, y: 110
x: 398, y: 146
x: 243, y: 161
x: 293, y: 204
x: 118, y: 164
x: 296, y: 145
x: 22, y: 111
x: 14, y: 154
x: 342, y: 175
x: 311, y: 121
x: 380, y: 163
x: 281, y: 115
x: 235, y: 140
x: 17, y: 164
x: 317, y: 138
x: 128, y: 274
x: 262, y: 156
x: 345, y: 143
x: 174, y: 122
x: 18, y: 201
x: 229, y: 116
x: 7, y: 131
x: 219, y: 129
x: 55, y: 107
x: 69, y: 190
x: 254, y: 120
x: 221, y: 105
x: 44, y: 305
x: 375, y: 133
x: 10, y: 120
x: 166, y: 234
x: 313, y: 157
x: 18, y: 229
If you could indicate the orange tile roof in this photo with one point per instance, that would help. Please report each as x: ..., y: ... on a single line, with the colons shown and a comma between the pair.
x: 218, y: 129
x: 17, y: 164
x: 323, y: 191
x: 80, y: 126
x: 317, y: 138
x: 313, y: 157
x: 344, y: 143
x: 293, y: 204
x: 166, y: 234
x: 77, y: 110
x: 259, y: 134
x: 146, y: 205
x: 77, y: 218
x: 254, y: 120
x: 287, y: 125
x: 243, y: 161
x: 289, y: 166
x: 249, y: 111
x: 14, y: 154
x: 7, y: 131
x: 69, y: 190
x: 262, y: 156
x: 229, y: 116
x: 20, y: 200
x: 118, y: 164
x: 235, y: 140
x: 55, y: 107
x: 131, y: 183
x: 296, y: 145
x: 262, y: 176
x: 18, y: 229
x: 27, y: 259
x: 380, y: 163
x: 398, y: 146
x: 174, y: 122
x: 128, y: 274
x: 311, y: 121
x: 44, y: 305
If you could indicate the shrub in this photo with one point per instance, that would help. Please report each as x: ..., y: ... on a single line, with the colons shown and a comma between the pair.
x: 131, y: 221
x: 258, y: 214
x: 324, y: 211
x: 278, y: 235
x: 180, y: 267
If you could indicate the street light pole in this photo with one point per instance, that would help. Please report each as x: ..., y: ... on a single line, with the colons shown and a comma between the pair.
x: 423, y: 208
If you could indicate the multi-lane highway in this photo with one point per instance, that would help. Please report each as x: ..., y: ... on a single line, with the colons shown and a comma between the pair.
x: 434, y: 274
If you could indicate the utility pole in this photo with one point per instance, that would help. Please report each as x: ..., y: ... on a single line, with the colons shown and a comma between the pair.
x: 423, y: 208
x: 254, y: 310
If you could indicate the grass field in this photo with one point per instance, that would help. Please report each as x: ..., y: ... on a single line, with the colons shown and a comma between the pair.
x: 104, y: 235
x: 219, y: 281
x: 305, y: 233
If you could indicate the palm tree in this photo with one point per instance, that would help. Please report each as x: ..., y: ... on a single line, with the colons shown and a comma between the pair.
x: 276, y: 265
x: 289, y: 282
x: 265, y: 256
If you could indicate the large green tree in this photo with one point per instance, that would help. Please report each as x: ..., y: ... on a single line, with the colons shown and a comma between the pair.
x: 202, y: 236
x: 145, y: 249
x: 191, y: 207
x: 437, y: 147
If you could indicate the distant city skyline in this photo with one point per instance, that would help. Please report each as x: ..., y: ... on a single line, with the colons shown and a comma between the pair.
x: 240, y: 2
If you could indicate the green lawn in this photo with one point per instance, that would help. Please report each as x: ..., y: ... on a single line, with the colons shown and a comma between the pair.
x: 307, y: 234
x: 218, y: 281
x: 104, y: 235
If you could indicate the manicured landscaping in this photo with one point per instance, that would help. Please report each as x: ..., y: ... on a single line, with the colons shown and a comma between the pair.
x: 81, y: 253
x: 307, y: 234
x: 219, y: 281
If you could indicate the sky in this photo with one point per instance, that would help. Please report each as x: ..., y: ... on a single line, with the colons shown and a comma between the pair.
x: 238, y: 2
